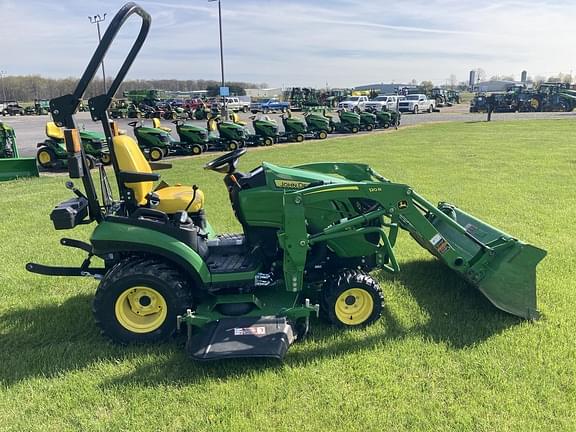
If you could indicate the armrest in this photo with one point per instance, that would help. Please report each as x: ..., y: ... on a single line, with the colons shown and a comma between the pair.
x: 157, y: 166
x: 137, y: 177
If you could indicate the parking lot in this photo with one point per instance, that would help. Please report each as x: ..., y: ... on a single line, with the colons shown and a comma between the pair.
x: 30, y: 130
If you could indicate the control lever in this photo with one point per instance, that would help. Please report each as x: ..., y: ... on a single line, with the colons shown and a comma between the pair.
x: 70, y: 186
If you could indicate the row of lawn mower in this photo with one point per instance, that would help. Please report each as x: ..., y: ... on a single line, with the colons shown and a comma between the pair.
x: 157, y: 142
x: 310, y: 236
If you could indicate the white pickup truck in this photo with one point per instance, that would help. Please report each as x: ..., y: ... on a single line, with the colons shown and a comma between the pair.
x: 416, y: 103
x: 353, y: 103
x: 380, y: 102
x: 236, y: 104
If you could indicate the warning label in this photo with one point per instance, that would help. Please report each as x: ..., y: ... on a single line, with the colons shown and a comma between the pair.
x: 440, y: 243
x: 249, y: 331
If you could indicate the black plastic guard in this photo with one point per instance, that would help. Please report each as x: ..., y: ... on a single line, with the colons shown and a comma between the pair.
x: 242, y: 337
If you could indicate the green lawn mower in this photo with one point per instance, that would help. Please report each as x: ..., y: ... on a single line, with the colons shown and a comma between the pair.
x: 265, y: 130
x: 367, y: 121
x: 349, y: 122
x: 12, y: 166
x: 51, y: 153
x: 318, y: 124
x: 192, y: 134
x: 226, y: 135
x: 295, y: 128
x: 386, y: 119
x: 157, y: 143
x: 310, y: 235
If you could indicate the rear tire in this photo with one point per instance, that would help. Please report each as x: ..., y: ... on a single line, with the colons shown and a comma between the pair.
x: 106, y: 159
x: 430, y: 109
x: 415, y: 111
x: 156, y: 154
x: 352, y: 299
x: 139, y: 299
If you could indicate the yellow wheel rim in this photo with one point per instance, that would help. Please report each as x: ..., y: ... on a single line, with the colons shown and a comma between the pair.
x: 155, y: 154
x: 44, y: 157
x: 232, y: 146
x: 196, y: 150
x: 141, y: 309
x: 105, y: 158
x: 323, y: 135
x: 354, y: 306
x: 534, y: 103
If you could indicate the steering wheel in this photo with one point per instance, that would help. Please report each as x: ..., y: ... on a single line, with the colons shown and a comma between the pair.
x: 226, y: 163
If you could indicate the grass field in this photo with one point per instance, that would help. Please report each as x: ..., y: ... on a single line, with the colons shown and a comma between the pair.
x: 441, y: 358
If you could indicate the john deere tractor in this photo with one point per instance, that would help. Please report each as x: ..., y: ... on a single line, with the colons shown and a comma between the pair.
x: 310, y: 236
x: 318, y: 124
x: 51, y: 153
x: 349, y: 122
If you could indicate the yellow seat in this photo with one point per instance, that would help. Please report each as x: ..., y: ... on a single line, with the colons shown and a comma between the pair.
x: 236, y: 119
x: 171, y: 198
x: 156, y: 123
x: 54, y: 132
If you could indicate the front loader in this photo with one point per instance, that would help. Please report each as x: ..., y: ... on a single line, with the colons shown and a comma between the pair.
x: 310, y: 236
x: 12, y: 166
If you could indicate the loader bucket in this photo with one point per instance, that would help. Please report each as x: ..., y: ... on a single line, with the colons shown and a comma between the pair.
x: 502, y: 267
x: 11, y: 169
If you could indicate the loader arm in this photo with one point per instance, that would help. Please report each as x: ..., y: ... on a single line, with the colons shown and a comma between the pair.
x: 500, y: 266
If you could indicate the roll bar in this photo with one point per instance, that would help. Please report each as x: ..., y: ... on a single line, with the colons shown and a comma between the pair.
x: 64, y: 107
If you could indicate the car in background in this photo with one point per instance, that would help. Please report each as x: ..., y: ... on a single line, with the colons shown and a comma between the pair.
x: 353, y: 103
x: 380, y: 102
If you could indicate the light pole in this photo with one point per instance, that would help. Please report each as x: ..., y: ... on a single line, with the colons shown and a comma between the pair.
x: 221, y: 53
x: 2, y: 73
x: 97, y: 19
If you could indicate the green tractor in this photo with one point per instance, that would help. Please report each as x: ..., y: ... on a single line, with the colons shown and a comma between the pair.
x: 295, y: 128
x: 12, y: 166
x: 310, y: 236
x: 157, y: 143
x: 349, y: 122
x: 119, y: 109
x: 51, y: 153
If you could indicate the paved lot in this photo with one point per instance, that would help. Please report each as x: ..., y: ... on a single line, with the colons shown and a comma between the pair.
x: 30, y: 129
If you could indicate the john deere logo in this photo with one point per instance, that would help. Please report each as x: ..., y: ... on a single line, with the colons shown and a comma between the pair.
x: 290, y: 184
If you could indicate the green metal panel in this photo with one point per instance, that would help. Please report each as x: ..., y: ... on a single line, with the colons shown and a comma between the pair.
x: 116, y: 234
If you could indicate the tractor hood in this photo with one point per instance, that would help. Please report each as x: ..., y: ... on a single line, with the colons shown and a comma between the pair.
x: 297, y: 178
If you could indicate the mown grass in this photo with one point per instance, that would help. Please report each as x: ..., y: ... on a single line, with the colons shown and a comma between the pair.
x: 441, y: 357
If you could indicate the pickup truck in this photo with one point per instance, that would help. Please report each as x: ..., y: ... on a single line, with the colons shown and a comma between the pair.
x: 353, y: 103
x: 235, y: 104
x: 416, y: 103
x: 268, y: 105
x: 387, y: 102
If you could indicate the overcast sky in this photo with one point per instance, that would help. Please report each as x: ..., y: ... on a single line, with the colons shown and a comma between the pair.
x: 301, y: 43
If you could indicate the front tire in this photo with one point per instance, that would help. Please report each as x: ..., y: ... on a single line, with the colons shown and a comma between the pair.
x: 139, y: 299
x: 369, y: 128
x: 156, y: 154
x: 415, y: 111
x: 268, y: 141
x: 354, y: 129
x: 322, y: 135
x: 299, y: 138
x: 352, y: 299
x: 232, y: 145
x: 46, y: 157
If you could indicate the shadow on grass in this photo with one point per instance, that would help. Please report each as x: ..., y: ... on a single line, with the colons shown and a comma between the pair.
x: 56, y: 339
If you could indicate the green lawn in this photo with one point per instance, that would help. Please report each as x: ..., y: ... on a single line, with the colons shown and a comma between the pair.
x: 441, y: 358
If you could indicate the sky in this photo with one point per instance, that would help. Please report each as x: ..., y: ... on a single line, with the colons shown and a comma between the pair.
x: 336, y: 43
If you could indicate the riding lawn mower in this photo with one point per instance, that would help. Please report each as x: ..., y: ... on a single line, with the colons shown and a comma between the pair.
x: 310, y: 236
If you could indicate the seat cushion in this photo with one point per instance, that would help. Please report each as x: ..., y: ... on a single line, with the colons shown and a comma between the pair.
x: 177, y: 198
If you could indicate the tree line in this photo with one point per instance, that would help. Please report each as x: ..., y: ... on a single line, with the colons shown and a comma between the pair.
x: 30, y: 87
